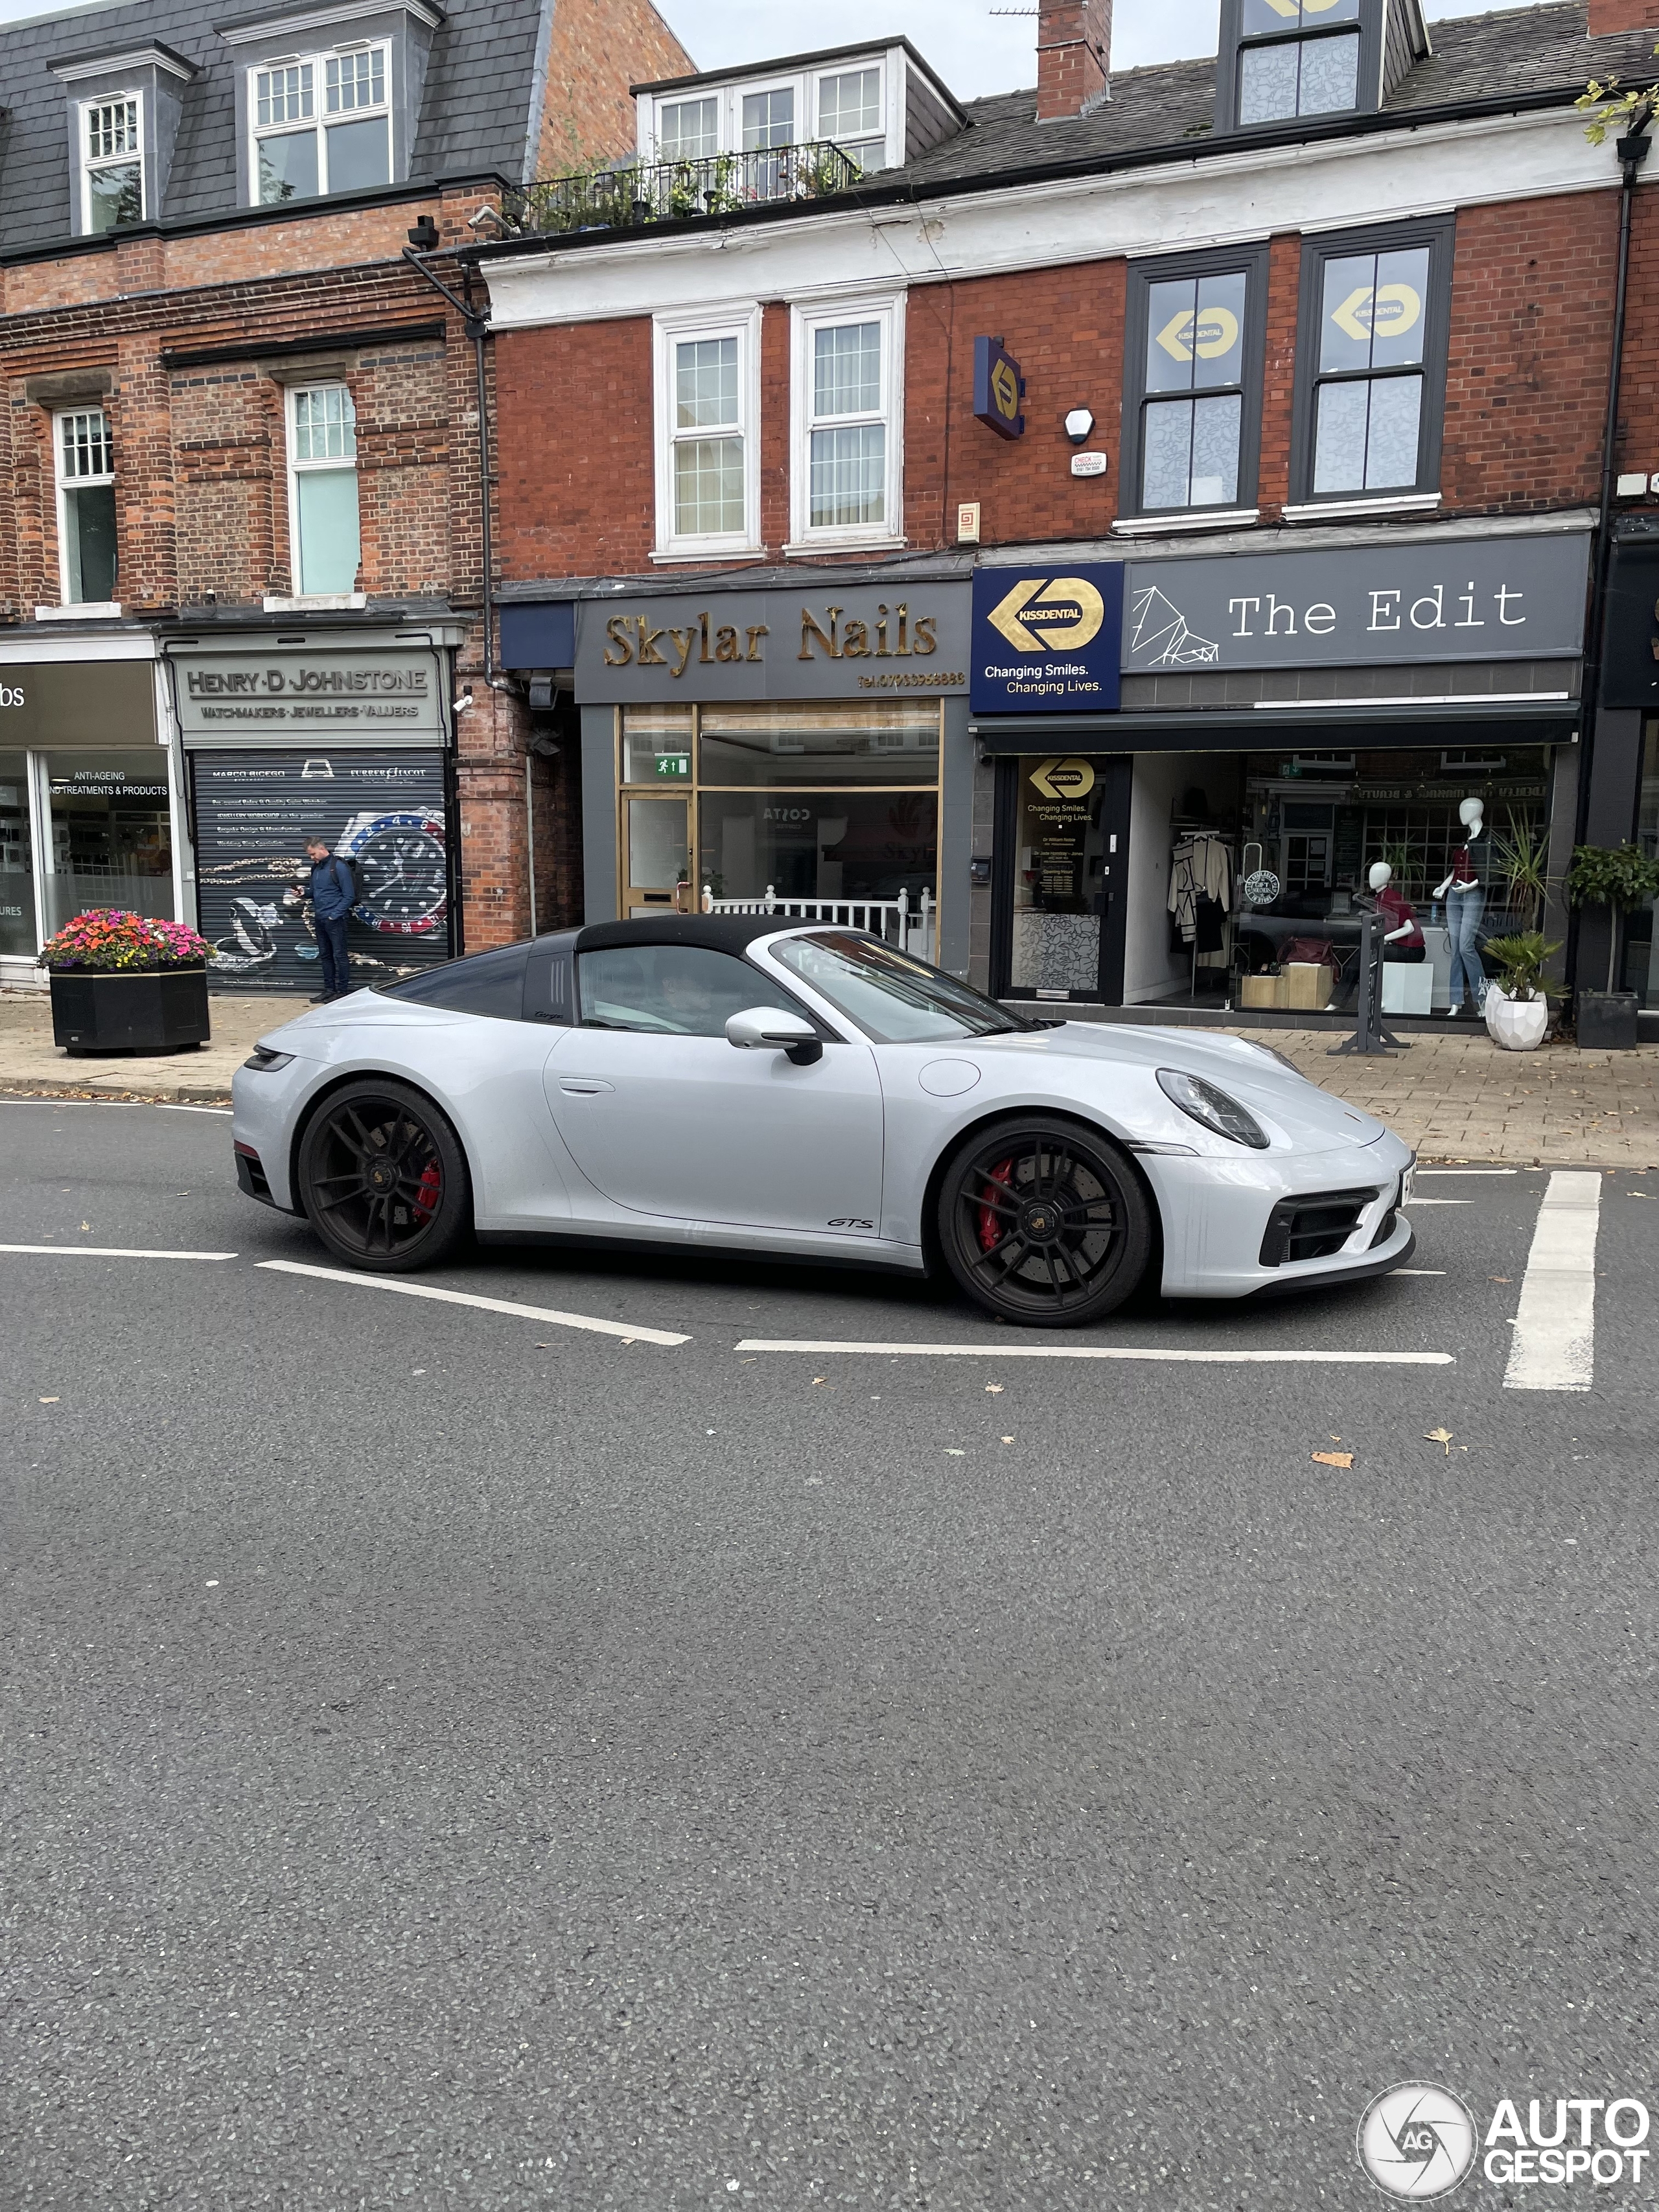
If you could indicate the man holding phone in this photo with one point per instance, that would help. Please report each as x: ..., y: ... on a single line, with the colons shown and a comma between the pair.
x: 332, y: 890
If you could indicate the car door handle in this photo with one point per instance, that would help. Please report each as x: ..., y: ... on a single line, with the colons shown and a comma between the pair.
x: 584, y: 1086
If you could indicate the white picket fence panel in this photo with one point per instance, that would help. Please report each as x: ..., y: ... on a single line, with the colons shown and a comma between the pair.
x: 913, y: 928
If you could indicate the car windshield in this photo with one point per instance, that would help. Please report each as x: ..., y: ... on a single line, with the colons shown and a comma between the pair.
x: 893, y: 998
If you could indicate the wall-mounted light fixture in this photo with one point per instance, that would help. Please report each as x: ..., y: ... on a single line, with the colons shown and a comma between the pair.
x: 1078, y: 423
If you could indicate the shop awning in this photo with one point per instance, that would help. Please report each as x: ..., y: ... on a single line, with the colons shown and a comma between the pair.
x: 1376, y: 726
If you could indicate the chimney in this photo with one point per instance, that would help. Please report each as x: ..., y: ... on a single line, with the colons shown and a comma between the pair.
x: 1074, y: 53
x: 1608, y: 16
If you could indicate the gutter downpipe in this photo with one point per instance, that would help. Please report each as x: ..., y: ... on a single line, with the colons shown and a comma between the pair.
x: 476, y: 320
x: 1632, y: 151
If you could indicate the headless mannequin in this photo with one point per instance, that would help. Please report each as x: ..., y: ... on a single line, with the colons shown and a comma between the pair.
x: 1465, y: 895
x: 1404, y: 942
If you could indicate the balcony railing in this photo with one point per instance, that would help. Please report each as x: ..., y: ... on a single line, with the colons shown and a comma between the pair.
x: 912, y: 929
x: 637, y: 193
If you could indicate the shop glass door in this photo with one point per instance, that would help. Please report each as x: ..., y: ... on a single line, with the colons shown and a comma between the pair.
x: 657, y: 841
x: 1069, y: 871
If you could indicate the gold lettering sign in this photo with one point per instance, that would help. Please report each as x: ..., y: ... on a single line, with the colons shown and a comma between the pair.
x: 827, y: 632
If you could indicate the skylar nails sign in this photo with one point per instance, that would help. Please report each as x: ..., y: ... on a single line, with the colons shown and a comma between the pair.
x: 1494, y: 598
x: 819, y: 643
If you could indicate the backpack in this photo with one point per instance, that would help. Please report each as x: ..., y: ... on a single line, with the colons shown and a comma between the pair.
x: 339, y: 860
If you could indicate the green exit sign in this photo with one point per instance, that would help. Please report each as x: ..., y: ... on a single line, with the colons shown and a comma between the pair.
x: 674, y: 763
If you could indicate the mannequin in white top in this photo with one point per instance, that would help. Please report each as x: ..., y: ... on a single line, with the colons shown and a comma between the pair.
x: 1464, y: 891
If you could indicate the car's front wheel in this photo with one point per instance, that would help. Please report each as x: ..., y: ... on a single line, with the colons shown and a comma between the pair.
x: 1043, y: 1223
x: 383, y: 1179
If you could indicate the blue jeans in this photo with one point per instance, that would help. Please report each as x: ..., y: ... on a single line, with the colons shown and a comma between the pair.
x: 1464, y: 912
x: 332, y: 948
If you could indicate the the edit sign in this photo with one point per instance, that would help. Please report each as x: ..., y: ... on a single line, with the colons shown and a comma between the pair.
x: 1495, y: 599
x: 1047, y: 640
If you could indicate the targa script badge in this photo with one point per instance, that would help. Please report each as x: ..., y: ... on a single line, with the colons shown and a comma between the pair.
x: 1047, y: 644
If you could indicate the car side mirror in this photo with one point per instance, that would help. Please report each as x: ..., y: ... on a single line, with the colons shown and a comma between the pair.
x: 760, y: 1029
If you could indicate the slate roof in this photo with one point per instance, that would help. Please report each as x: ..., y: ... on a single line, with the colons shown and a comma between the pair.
x: 475, y: 112
x: 1517, y: 52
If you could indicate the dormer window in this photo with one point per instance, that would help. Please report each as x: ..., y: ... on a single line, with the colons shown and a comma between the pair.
x: 850, y: 112
x: 689, y: 130
x: 112, y: 164
x: 1313, y: 71
x: 321, y: 124
x: 877, y: 108
x: 769, y: 118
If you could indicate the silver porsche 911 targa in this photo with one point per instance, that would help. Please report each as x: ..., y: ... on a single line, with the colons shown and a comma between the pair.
x: 720, y: 1081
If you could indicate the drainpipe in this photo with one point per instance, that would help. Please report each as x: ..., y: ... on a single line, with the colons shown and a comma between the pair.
x: 423, y: 239
x: 1632, y: 151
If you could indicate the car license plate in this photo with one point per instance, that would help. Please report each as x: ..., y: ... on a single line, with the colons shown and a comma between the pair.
x: 1407, y: 1185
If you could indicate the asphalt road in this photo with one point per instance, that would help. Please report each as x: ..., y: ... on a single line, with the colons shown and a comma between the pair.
x: 457, y: 1759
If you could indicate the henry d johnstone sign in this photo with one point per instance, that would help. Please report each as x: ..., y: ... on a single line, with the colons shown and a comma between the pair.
x: 1494, y: 599
x: 821, y: 641
x: 274, y: 697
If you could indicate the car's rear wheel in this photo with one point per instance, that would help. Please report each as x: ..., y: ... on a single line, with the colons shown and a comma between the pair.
x: 1043, y: 1223
x: 383, y: 1179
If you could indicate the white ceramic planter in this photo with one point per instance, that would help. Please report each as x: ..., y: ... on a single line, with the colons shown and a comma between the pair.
x: 1517, y: 1025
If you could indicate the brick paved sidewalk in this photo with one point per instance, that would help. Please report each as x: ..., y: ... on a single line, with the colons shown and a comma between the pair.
x: 1454, y: 1097
x: 1460, y: 1098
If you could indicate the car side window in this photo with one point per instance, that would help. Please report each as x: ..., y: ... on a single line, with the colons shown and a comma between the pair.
x: 671, y: 990
x: 484, y: 984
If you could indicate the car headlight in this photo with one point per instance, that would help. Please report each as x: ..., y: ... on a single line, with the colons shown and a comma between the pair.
x: 263, y: 1058
x: 1212, y: 1109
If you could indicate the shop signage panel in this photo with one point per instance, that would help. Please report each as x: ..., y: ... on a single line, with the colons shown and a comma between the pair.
x: 282, y: 695
x: 1495, y: 599
x: 1047, y: 640
x: 824, y: 641
x: 383, y: 810
x: 1630, y: 657
x: 998, y: 387
x: 88, y: 703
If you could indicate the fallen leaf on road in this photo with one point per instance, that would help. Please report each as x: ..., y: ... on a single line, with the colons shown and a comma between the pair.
x: 995, y: 1387
x: 954, y: 1451
x: 1007, y: 1440
x: 50, y: 1401
x: 1333, y: 1459
x: 816, y: 1379
x: 1439, y: 1437
x: 85, y: 1225
x: 1500, y: 1278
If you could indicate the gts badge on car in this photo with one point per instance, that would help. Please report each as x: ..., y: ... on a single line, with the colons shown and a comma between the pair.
x: 848, y: 1222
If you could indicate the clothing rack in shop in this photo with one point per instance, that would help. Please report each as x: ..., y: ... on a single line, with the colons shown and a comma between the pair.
x: 1186, y: 829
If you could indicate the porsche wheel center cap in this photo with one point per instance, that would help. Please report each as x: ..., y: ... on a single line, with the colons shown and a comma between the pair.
x: 380, y: 1176
x: 1039, y: 1223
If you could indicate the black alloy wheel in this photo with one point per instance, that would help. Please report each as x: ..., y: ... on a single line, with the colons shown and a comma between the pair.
x: 383, y: 1179
x: 1044, y: 1222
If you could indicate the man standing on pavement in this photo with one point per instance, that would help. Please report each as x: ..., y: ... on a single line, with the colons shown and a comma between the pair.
x: 333, y: 891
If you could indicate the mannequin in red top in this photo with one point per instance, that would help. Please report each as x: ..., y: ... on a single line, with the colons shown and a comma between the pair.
x: 1403, y: 940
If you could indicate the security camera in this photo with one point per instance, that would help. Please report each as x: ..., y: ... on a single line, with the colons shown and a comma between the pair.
x: 488, y: 219
x: 463, y: 703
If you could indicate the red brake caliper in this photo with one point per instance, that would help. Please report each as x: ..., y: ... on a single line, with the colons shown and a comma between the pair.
x: 990, y: 1234
x: 431, y: 1189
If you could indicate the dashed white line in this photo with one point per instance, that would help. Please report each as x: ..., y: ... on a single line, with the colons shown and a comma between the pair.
x: 1421, y: 1172
x: 1162, y: 1353
x: 111, y: 1252
x: 161, y: 1108
x: 630, y: 1331
x: 1554, y: 1343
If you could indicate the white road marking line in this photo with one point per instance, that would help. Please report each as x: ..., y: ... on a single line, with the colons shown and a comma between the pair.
x: 631, y: 1331
x: 226, y: 1110
x: 1419, y: 1270
x: 1439, y: 1201
x: 1554, y: 1343
x: 1421, y: 1172
x: 111, y: 1252
x: 817, y: 1345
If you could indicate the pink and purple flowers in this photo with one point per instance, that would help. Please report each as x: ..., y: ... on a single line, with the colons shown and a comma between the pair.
x: 106, y: 940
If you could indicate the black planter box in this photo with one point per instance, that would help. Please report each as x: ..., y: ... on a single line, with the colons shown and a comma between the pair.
x: 144, y: 1010
x: 1606, y: 1020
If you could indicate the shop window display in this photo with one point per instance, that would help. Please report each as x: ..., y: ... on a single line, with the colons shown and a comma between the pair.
x: 822, y: 806
x: 111, y: 837
x: 16, y: 858
x: 1641, y: 939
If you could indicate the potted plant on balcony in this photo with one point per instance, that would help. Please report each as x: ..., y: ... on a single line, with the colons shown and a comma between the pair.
x: 126, y: 983
x: 1620, y: 877
x: 1517, y: 1008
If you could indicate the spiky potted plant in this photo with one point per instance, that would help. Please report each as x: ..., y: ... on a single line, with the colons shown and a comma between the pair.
x: 126, y: 983
x: 1620, y: 877
x: 1517, y: 1008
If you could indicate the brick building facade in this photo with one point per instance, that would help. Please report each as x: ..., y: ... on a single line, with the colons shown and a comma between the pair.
x: 181, y: 337
x: 1064, y: 226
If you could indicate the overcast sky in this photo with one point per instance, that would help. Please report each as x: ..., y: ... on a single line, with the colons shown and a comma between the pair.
x: 973, y: 48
